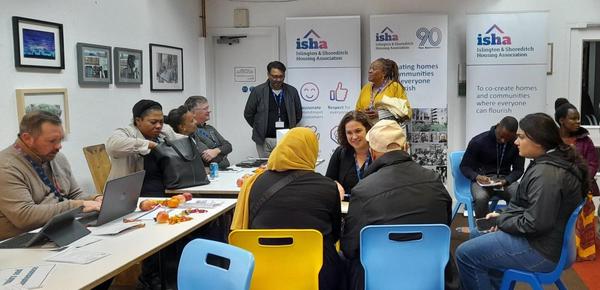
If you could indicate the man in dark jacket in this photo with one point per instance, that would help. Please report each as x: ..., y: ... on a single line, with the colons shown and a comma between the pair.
x: 395, y: 190
x: 271, y: 106
x: 493, y: 164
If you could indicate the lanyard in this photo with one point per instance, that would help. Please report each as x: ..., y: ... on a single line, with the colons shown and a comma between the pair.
x: 357, y: 167
x: 499, y: 163
x: 374, y: 94
x: 278, y: 101
x: 53, y: 185
x: 209, y: 135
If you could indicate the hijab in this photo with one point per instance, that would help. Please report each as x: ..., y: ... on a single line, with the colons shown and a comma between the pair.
x: 297, y: 150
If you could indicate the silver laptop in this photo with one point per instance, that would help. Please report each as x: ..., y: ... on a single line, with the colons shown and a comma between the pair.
x: 120, y: 198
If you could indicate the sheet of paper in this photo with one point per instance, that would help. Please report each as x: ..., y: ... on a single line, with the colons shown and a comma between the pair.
x: 203, y: 203
x: 493, y: 184
x: 27, y: 277
x: 116, y: 228
x: 75, y: 256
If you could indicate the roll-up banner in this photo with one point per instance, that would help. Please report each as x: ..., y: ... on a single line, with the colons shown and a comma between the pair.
x: 418, y: 43
x: 323, y: 59
x: 506, y: 67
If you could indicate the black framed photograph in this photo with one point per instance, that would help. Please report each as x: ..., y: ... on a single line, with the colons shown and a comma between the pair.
x: 166, y: 68
x: 128, y: 66
x: 38, y: 43
x: 94, y: 64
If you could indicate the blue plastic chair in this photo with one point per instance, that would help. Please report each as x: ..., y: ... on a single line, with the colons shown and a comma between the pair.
x: 388, y: 254
x: 567, y: 257
x: 462, y: 191
x: 196, y: 273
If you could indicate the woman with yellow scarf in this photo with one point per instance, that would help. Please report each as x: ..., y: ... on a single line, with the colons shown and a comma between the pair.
x: 308, y: 201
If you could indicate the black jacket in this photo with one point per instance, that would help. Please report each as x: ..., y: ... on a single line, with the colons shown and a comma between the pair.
x: 483, y: 154
x: 342, y: 168
x: 547, y: 195
x: 395, y: 190
x: 309, y: 202
x: 256, y: 112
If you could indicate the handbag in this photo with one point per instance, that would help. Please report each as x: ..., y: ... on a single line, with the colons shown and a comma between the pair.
x: 180, y: 163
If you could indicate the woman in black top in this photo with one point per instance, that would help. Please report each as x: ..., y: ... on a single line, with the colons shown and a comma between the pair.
x: 350, y: 160
x: 310, y: 201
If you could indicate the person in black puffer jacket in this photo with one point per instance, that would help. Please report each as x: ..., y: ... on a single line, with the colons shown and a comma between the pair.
x: 529, y: 234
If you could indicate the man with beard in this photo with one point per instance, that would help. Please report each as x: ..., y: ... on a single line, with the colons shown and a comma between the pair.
x: 36, y: 179
x: 271, y: 106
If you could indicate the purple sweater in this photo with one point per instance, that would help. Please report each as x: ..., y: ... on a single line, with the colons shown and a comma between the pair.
x: 586, y: 148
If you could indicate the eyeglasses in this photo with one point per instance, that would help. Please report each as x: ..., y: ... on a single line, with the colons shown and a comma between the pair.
x: 277, y: 77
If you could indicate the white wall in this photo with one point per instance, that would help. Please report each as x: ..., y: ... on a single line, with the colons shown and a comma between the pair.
x: 561, y: 15
x: 96, y: 112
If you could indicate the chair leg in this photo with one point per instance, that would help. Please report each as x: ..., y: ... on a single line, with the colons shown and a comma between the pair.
x: 455, y: 210
x: 559, y: 284
x: 534, y: 283
x: 507, y: 284
x: 473, y: 232
x: 493, y: 204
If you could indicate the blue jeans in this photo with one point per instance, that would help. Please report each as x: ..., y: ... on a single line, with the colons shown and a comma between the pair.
x: 483, y: 260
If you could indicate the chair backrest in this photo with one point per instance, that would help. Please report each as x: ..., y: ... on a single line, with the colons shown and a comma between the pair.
x: 99, y: 164
x: 568, y: 253
x: 462, y: 185
x: 285, y: 259
x: 404, y: 256
x: 206, y: 264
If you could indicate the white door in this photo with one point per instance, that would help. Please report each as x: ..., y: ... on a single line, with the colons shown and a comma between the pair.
x: 240, y: 57
x: 578, y: 36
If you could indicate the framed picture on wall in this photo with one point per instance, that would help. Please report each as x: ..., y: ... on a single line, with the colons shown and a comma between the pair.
x: 93, y: 64
x: 166, y: 68
x: 38, y: 43
x: 128, y: 66
x: 53, y: 100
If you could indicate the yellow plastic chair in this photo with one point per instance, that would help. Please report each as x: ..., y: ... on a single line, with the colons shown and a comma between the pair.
x: 284, y: 259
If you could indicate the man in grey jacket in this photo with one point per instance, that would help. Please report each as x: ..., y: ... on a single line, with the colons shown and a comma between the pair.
x: 272, y: 105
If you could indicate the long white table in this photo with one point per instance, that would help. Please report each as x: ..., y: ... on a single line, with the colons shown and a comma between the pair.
x: 225, y: 184
x: 125, y: 250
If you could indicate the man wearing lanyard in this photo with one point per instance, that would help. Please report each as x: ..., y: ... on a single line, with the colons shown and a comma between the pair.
x: 271, y: 106
x: 493, y: 164
x: 35, y: 179
x: 213, y: 146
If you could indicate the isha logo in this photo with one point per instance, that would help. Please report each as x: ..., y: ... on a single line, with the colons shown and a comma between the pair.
x: 308, y: 42
x: 491, y: 38
x: 386, y: 35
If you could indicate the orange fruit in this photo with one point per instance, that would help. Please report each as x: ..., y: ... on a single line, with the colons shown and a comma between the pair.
x: 173, y: 202
x: 181, y: 198
x: 162, y: 217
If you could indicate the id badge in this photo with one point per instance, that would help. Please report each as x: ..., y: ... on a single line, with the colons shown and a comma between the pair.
x: 279, y: 125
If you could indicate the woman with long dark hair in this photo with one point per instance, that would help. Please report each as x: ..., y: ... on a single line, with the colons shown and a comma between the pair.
x: 528, y: 235
x: 352, y: 158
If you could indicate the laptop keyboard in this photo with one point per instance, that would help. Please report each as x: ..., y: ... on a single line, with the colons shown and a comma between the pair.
x: 88, y: 218
x: 17, y: 242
